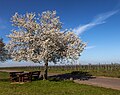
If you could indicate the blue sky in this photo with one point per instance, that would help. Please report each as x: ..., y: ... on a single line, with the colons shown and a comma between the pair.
x: 95, y: 21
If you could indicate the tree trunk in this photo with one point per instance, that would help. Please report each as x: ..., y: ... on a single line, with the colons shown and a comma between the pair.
x: 45, y: 71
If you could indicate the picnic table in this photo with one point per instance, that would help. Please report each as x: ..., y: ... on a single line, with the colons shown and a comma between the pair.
x: 24, y: 76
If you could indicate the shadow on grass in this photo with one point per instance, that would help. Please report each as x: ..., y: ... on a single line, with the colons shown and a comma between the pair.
x: 4, y: 80
x: 71, y: 76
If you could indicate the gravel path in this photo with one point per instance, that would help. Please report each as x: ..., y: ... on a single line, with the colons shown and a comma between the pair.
x: 106, y: 82
x: 113, y: 83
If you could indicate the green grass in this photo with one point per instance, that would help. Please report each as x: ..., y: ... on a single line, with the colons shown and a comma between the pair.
x: 101, y: 72
x: 94, y: 72
x: 106, y: 73
x: 53, y: 88
x: 42, y: 87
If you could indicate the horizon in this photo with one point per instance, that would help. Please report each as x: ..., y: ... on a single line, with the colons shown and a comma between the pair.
x: 94, y: 21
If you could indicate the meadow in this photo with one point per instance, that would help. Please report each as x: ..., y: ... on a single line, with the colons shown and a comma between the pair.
x: 47, y: 87
x: 60, y: 87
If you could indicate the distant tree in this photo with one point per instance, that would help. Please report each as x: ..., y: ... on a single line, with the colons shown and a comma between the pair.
x: 3, y: 51
x: 39, y: 39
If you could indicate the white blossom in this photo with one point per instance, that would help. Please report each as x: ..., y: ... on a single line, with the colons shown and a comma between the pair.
x: 39, y: 38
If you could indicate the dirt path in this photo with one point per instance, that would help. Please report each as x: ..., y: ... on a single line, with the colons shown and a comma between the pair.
x: 113, y: 83
x: 9, y: 71
x: 106, y: 82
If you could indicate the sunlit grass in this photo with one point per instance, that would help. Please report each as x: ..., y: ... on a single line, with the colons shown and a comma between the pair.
x: 53, y: 88
x: 42, y: 87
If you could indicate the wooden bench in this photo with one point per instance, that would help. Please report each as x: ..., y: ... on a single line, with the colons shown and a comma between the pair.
x: 24, y: 77
x: 35, y: 75
x: 14, y: 76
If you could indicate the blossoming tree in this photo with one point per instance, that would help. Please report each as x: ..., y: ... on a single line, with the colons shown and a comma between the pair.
x: 39, y: 38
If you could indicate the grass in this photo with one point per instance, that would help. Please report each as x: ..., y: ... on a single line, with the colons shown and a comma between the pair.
x: 102, y: 72
x: 46, y: 87
x: 94, y: 72
x: 106, y: 73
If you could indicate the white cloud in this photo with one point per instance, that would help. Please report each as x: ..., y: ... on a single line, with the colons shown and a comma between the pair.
x: 99, y: 19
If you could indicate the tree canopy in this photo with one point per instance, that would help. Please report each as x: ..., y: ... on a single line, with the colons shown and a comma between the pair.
x: 39, y: 38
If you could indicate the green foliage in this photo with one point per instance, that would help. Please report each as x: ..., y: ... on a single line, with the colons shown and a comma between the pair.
x: 3, y: 52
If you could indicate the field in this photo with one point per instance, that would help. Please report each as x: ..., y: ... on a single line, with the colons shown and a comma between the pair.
x: 109, y: 70
x: 47, y: 87
x: 60, y: 87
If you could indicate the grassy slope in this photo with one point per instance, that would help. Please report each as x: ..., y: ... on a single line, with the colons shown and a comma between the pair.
x: 50, y: 88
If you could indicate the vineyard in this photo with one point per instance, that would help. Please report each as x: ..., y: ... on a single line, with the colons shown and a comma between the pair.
x: 108, y: 70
